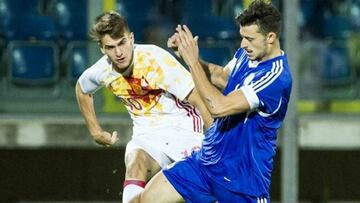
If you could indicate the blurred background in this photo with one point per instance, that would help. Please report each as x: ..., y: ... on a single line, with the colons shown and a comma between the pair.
x: 47, y: 154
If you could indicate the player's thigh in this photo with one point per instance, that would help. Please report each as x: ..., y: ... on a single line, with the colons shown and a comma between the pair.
x: 140, y: 165
x: 160, y: 190
x: 224, y: 195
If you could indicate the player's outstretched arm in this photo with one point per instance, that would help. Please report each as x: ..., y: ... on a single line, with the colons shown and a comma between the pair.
x: 218, y: 104
x: 86, y: 105
x: 218, y: 75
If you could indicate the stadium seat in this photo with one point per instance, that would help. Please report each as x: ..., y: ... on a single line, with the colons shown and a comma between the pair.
x: 19, y: 7
x: 138, y: 14
x: 78, y: 56
x: 76, y: 60
x: 4, y: 15
x: 336, y: 27
x: 32, y: 64
x: 335, y: 69
x: 22, y: 20
x: 221, y: 28
x: 196, y: 8
x: 354, y: 16
x: 70, y: 19
x: 206, y: 23
x: 35, y: 27
x: 217, y: 54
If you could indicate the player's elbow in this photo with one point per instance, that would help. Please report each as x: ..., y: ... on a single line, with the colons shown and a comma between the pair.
x: 78, y: 90
x: 217, y: 112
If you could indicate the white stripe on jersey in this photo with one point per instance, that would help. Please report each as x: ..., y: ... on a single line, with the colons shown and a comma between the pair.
x: 261, y: 200
x: 242, y: 57
x: 269, y: 77
x: 234, y: 68
x: 263, y: 114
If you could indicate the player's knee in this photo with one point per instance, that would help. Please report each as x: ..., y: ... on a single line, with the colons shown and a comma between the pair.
x: 137, y: 164
x: 136, y: 168
x: 141, y: 198
x: 135, y: 200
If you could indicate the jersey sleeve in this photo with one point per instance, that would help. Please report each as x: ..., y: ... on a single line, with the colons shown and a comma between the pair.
x: 231, y: 64
x: 176, y: 79
x: 90, y: 79
x: 237, y: 59
x: 266, y: 91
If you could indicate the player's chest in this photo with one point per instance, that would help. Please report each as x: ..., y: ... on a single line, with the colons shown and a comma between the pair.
x: 132, y: 87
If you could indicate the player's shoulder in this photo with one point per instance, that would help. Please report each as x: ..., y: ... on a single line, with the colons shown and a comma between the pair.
x: 99, y: 67
x: 240, y: 52
x: 149, y: 48
x: 102, y: 63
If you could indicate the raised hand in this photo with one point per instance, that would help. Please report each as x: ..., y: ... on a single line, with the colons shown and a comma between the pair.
x: 187, y: 45
x: 171, y: 43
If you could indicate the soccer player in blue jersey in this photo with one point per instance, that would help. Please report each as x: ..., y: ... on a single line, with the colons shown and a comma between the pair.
x: 235, y: 161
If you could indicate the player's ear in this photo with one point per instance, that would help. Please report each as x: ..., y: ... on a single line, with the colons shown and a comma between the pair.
x: 101, y: 47
x: 132, y: 38
x: 271, y: 37
x: 102, y: 50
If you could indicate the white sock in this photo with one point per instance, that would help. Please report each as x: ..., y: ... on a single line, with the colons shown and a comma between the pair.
x: 130, y: 191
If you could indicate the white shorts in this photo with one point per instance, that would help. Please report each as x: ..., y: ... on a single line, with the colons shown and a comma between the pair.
x: 166, y: 145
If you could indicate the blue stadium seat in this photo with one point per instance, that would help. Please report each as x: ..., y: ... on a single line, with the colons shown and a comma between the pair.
x: 214, y: 27
x: 78, y: 56
x: 137, y: 14
x: 219, y: 55
x: 206, y: 23
x: 354, y: 16
x: 135, y: 7
x: 34, y: 27
x: 21, y: 20
x: 335, y: 68
x: 76, y: 59
x: 71, y: 19
x: 336, y: 27
x: 20, y: 7
x: 196, y: 8
x: 5, y: 15
x: 32, y: 64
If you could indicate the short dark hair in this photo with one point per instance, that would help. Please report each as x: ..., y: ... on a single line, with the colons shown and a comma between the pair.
x: 111, y: 23
x: 263, y: 14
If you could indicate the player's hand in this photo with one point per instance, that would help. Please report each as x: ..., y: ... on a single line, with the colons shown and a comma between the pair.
x: 105, y: 138
x: 187, y: 45
x: 171, y: 43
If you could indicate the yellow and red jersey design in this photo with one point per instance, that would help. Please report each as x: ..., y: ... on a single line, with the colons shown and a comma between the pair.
x: 153, y: 92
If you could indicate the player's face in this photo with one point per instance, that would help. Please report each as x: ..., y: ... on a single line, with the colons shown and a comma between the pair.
x: 120, y: 51
x: 254, y: 43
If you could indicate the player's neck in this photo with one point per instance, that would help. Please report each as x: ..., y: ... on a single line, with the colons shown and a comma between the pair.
x: 125, y: 71
x: 274, y: 51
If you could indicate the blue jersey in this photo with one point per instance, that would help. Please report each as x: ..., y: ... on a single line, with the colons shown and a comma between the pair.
x: 238, y: 150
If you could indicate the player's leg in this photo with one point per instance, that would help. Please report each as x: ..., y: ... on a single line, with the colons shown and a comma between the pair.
x: 158, y: 190
x: 222, y: 194
x: 140, y: 167
x: 181, y: 180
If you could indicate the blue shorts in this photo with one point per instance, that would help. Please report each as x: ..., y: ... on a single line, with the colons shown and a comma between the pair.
x: 195, y: 186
